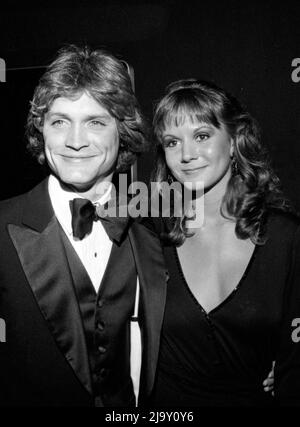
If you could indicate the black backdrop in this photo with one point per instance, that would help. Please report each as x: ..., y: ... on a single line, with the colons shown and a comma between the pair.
x: 246, y: 47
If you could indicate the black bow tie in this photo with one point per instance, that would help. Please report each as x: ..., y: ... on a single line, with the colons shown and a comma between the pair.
x: 84, y: 213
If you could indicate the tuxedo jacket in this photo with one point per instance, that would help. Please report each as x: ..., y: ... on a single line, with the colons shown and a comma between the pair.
x: 44, y: 361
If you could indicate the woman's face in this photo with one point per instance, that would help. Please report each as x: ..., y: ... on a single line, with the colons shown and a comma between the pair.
x: 198, y: 154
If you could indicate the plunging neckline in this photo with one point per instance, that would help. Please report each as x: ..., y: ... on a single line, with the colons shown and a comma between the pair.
x: 229, y: 296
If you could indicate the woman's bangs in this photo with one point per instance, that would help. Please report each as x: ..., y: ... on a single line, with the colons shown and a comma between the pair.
x: 193, y: 110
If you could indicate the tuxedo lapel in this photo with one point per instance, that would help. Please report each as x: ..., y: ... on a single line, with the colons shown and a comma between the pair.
x: 43, y: 258
x: 153, y: 278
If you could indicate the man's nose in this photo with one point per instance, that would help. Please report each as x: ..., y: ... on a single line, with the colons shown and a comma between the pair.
x: 190, y: 151
x: 76, y: 138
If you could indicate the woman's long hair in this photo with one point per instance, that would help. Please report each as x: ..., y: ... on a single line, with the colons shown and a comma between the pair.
x: 253, y: 188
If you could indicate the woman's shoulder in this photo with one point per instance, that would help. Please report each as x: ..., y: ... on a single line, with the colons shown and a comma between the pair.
x: 282, y: 226
x: 286, y: 219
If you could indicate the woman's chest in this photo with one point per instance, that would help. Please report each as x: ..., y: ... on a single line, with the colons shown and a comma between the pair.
x: 214, y: 265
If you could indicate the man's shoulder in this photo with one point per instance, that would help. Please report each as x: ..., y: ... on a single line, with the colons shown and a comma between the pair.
x: 148, y: 226
x: 11, y: 209
x: 147, y: 247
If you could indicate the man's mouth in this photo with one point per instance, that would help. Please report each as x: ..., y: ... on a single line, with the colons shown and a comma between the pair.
x: 77, y: 158
x: 194, y: 169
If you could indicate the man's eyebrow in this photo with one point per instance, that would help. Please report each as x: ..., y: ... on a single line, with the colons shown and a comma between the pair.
x: 102, y: 116
x: 105, y: 116
x: 57, y: 113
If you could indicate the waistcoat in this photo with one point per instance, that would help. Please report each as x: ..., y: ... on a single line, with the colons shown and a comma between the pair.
x: 106, y: 321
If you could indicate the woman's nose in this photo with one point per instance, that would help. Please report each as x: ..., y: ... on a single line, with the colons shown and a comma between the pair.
x: 189, y: 151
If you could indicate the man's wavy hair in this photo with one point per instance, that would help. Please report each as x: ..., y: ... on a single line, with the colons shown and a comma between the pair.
x: 253, y: 189
x: 97, y: 72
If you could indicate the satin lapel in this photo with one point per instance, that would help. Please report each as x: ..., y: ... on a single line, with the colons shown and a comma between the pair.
x: 153, y: 278
x: 45, y: 264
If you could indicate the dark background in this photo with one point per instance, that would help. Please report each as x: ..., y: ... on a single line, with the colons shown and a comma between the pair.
x: 245, y: 47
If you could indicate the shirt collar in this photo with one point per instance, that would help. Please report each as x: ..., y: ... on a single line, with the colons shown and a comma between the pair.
x: 60, y: 199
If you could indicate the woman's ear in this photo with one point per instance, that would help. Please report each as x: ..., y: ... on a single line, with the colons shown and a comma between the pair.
x: 231, y: 148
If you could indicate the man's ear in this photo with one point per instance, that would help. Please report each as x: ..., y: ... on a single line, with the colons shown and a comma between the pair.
x: 38, y: 124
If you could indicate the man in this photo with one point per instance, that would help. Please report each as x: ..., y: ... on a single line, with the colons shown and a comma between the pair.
x: 67, y: 283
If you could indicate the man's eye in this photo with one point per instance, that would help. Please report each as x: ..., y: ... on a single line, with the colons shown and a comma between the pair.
x: 96, y: 123
x: 58, y: 123
x: 202, y: 137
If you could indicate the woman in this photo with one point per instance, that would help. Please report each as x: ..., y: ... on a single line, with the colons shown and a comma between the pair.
x: 232, y: 294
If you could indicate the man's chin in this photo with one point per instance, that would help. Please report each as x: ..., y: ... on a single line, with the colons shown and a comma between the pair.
x: 78, y: 186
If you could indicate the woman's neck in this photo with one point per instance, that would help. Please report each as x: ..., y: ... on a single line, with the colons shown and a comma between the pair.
x: 212, y: 202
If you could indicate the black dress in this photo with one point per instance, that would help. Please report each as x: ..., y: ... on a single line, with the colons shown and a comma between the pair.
x: 221, y: 358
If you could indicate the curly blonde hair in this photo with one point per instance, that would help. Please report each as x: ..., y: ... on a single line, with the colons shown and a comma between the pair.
x: 106, y: 79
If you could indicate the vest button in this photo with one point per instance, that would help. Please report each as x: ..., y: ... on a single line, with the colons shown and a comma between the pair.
x: 101, y: 349
x: 103, y: 373
x: 100, y: 303
x: 100, y: 326
x: 98, y: 402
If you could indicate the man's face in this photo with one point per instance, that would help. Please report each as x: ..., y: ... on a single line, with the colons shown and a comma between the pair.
x: 81, y: 142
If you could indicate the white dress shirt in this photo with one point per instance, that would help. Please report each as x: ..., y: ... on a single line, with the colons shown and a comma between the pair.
x: 95, y: 248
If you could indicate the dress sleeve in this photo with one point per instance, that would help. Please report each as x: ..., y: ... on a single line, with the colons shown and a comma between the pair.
x: 287, y: 366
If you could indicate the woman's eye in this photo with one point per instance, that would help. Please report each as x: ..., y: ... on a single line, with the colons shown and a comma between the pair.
x: 202, y: 137
x: 171, y: 143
